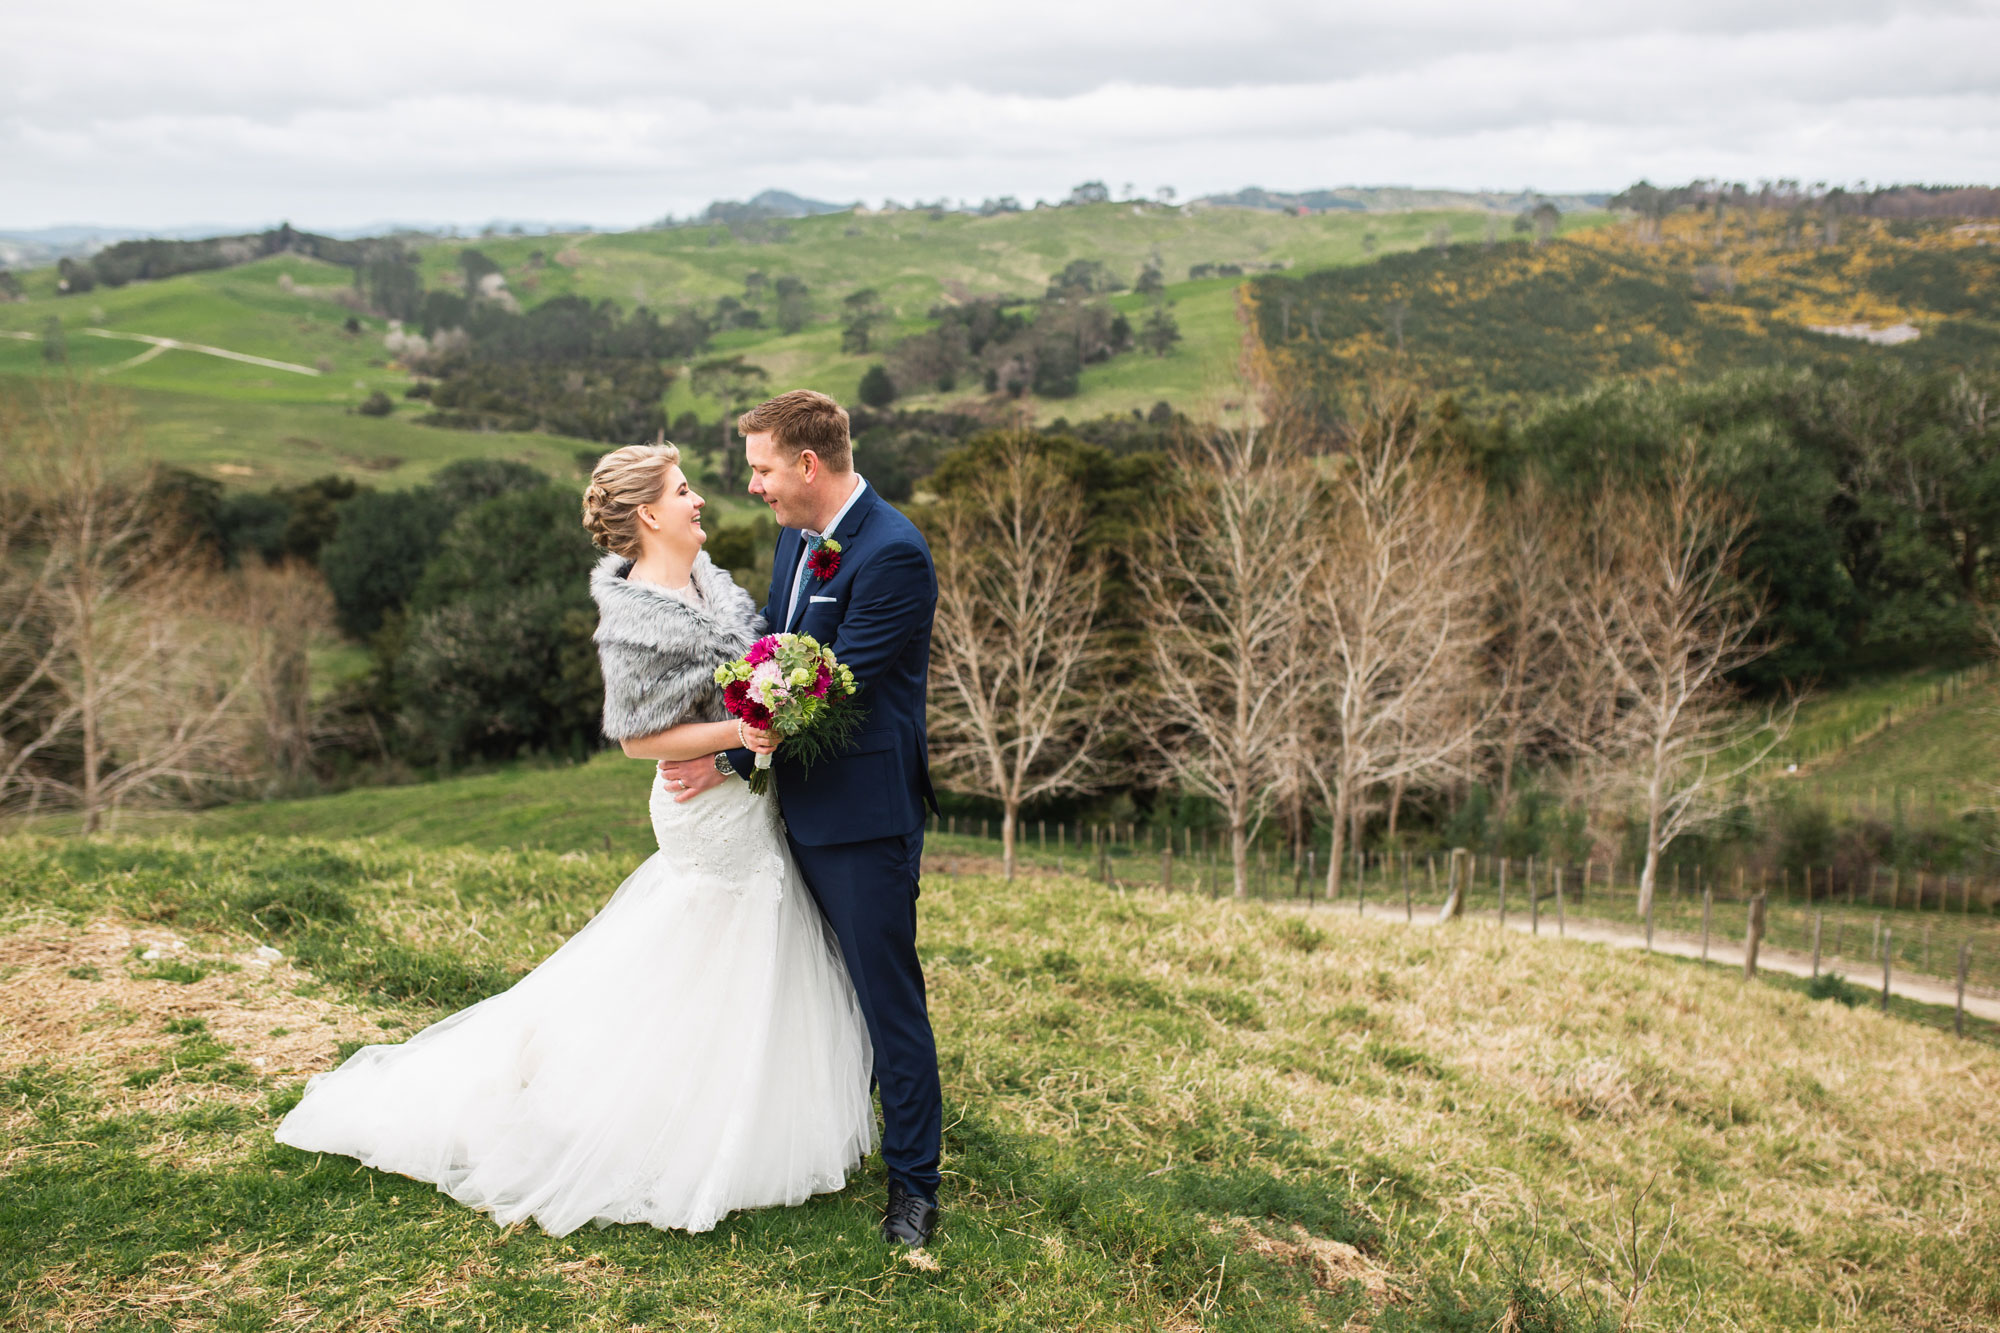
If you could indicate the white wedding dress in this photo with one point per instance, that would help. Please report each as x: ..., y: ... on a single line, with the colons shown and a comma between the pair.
x: 696, y: 1048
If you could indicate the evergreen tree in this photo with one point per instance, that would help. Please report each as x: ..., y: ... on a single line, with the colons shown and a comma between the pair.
x: 1160, y: 332
x: 877, y: 390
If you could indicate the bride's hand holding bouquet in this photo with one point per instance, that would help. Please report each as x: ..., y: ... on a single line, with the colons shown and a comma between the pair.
x: 789, y: 689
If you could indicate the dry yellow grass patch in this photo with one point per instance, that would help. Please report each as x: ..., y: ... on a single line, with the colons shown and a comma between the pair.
x: 1522, y: 1088
x: 1334, y: 1264
x: 82, y: 999
x: 183, y: 1290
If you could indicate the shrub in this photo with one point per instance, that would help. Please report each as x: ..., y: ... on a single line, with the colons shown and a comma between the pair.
x: 378, y: 554
x: 877, y: 390
x: 1833, y: 986
x: 377, y: 404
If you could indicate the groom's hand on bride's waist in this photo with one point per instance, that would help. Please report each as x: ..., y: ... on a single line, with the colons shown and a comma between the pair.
x: 687, y: 778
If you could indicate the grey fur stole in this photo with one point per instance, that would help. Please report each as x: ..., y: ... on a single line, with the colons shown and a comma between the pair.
x: 659, y: 653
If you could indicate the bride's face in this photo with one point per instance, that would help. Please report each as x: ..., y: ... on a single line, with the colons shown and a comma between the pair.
x: 673, y: 520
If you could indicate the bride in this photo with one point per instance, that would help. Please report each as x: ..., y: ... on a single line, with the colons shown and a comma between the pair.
x: 697, y: 1047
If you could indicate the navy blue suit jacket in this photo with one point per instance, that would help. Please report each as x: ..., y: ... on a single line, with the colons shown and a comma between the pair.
x: 875, y: 613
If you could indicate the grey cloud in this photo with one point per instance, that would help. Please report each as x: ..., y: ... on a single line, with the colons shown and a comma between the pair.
x: 598, y: 112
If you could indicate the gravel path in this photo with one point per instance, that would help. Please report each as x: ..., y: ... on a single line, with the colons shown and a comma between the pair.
x: 1911, y: 986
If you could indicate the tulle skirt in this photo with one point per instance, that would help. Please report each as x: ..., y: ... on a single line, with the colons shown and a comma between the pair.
x: 695, y: 1049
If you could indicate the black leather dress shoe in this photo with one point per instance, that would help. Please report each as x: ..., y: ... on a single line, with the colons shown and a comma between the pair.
x: 909, y: 1218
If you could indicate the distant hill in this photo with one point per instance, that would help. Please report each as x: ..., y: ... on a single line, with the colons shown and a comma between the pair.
x: 771, y: 204
x: 1695, y: 297
x: 40, y: 247
x: 1396, y: 198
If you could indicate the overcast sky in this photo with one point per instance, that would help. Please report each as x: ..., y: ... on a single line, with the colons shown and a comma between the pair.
x: 126, y: 113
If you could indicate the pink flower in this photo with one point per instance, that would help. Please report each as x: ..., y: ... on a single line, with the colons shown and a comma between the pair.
x: 762, y: 650
x: 819, y: 686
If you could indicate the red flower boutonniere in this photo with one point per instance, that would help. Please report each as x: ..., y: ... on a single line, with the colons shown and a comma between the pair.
x: 824, y: 561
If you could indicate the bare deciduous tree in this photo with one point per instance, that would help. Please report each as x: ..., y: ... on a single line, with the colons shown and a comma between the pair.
x: 1395, y: 617
x: 1221, y: 597
x: 116, y: 686
x: 1658, y: 617
x: 279, y: 610
x: 1527, y: 660
x: 1016, y: 704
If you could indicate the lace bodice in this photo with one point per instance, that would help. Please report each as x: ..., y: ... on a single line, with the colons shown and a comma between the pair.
x: 725, y: 831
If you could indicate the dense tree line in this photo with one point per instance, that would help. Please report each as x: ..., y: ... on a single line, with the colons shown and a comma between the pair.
x: 1009, y: 346
x: 1873, y: 493
x: 150, y: 260
x: 569, y: 366
x: 1882, y: 201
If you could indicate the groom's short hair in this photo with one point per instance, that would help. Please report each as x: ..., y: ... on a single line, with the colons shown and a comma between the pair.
x: 802, y: 420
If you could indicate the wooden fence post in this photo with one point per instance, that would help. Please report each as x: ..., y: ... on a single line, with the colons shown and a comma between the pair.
x: 1958, y: 1013
x: 1707, y: 901
x: 1818, y: 921
x: 1888, y: 951
x: 1167, y: 867
x: 1534, y: 910
x: 1560, y: 931
x: 1456, y: 876
x: 1753, y: 936
x: 1503, y: 893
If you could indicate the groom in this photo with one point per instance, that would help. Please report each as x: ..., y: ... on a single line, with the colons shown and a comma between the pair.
x: 856, y: 822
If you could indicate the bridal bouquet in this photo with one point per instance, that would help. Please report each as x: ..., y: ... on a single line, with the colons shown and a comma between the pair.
x: 791, y: 684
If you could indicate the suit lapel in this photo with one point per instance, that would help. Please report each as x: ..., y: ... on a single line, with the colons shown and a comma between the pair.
x: 845, y: 532
x: 784, y: 566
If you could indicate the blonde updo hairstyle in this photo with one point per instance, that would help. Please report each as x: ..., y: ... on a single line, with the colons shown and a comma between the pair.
x: 623, y: 480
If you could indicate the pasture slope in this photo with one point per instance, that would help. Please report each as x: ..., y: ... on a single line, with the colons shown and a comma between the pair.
x: 1164, y: 1112
x: 257, y: 426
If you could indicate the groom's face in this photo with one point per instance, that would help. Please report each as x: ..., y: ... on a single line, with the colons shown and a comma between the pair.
x: 781, y: 479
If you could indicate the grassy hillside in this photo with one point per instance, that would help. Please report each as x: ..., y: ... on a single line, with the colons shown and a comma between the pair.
x: 1699, y: 300
x: 247, y: 424
x: 1940, y: 751
x: 1164, y: 1112
x: 259, y: 425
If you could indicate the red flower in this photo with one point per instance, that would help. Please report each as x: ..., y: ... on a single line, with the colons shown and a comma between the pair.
x: 756, y: 715
x: 824, y: 562
x: 736, y: 697
x: 819, y: 686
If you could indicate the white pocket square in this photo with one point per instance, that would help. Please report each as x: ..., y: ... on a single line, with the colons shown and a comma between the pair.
x: 825, y: 599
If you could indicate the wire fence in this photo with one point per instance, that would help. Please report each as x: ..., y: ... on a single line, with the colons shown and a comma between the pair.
x: 1919, y: 923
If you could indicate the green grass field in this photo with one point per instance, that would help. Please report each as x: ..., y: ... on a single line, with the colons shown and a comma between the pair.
x: 255, y: 425
x: 1913, y: 750
x: 1164, y: 1112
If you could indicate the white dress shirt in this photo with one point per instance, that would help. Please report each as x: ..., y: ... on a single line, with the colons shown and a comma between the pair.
x: 798, y: 573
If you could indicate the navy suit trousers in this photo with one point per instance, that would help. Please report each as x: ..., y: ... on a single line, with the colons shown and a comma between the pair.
x: 868, y: 891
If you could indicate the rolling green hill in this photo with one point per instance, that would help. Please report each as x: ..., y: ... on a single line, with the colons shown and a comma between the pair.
x: 250, y: 424
x: 257, y: 425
